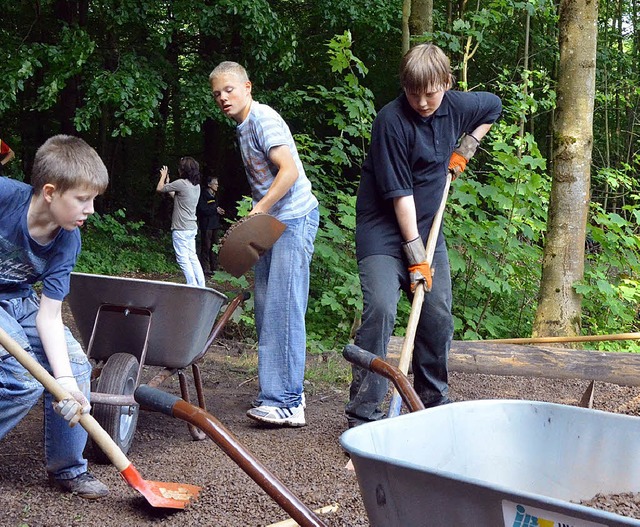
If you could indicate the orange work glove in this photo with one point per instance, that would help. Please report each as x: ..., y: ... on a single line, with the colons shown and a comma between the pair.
x: 421, y: 273
x: 462, y: 155
x: 419, y: 268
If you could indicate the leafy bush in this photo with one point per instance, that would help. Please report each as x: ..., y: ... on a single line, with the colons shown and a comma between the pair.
x: 495, y: 229
x: 112, y: 245
x: 611, y: 285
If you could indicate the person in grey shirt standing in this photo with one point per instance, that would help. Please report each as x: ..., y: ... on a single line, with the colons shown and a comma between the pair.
x: 185, y: 192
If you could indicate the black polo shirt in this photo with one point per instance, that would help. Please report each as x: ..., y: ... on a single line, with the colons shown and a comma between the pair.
x: 409, y: 155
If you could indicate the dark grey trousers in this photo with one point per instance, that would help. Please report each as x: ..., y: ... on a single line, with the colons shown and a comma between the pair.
x: 382, y: 278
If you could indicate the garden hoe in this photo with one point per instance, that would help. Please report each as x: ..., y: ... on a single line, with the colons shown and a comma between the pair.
x: 157, y: 493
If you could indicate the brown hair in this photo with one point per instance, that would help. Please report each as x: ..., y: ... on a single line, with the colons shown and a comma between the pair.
x: 68, y: 162
x: 189, y: 169
x: 425, y: 68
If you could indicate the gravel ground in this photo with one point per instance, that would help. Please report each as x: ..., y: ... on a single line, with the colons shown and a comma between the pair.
x: 308, y: 461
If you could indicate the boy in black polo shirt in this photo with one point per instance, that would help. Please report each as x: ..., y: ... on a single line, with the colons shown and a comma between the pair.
x: 413, y: 144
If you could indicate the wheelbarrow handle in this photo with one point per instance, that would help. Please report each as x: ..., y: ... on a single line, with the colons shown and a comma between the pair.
x: 156, y: 400
x: 367, y: 360
x: 180, y: 409
x: 356, y: 355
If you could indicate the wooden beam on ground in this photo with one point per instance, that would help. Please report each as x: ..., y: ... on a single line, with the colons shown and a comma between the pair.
x: 490, y: 358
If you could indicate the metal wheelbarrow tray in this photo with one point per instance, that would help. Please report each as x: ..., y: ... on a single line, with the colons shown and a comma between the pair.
x: 495, y: 463
x: 128, y: 323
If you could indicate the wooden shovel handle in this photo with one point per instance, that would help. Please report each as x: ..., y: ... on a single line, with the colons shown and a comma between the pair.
x: 418, y: 298
x: 551, y: 340
x: 93, y: 428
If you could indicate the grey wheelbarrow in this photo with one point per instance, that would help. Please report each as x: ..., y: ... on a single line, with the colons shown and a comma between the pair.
x: 130, y: 325
x: 491, y: 463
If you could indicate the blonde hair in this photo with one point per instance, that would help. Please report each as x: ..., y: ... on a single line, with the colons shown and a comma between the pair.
x: 425, y: 68
x: 68, y: 162
x: 229, y: 67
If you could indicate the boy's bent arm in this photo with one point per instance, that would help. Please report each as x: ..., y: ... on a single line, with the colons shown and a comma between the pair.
x: 8, y: 157
x: 51, y: 332
x: 285, y: 178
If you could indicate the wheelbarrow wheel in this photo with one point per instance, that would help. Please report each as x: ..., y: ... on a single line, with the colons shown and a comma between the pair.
x: 119, y: 377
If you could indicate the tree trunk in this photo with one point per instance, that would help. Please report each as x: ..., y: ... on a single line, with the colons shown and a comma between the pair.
x: 421, y: 17
x: 417, y: 19
x: 406, y: 36
x: 559, y: 307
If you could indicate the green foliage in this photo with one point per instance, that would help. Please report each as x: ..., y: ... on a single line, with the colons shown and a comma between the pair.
x: 347, y: 107
x: 494, y: 231
x: 114, y: 246
x: 335, y: 298
x: 63, y: 60
x: 133, y: 93
x: 611, y: 285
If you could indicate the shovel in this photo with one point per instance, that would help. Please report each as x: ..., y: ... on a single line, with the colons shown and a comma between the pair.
x: 246, y: 241
x: 157, y: 493
x: 416, y: 306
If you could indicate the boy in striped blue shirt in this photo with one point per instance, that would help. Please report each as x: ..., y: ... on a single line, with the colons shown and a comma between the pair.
x: 280, y: 187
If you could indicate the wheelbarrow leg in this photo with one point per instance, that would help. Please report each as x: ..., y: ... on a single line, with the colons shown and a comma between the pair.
x: 195, y: 432
x: 197, y: 381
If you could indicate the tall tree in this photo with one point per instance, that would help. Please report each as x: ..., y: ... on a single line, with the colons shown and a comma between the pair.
x: 417, y: 19
x: 559, y: 306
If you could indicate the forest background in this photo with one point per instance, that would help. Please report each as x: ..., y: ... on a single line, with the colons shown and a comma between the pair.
x: 131, y: 77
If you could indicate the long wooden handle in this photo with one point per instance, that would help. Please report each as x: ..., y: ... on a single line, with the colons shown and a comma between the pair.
x: 93, y: 428
x: 551, y: 340
x: 418, y: 298
x: 432, y: 240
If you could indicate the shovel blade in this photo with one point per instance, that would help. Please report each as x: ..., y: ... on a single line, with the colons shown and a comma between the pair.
x: 159, y: 493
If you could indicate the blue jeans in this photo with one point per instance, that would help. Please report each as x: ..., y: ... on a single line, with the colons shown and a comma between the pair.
x: 281, y: 295
x: 382, y: 278
x: 19, y: 391
x: 184, y: 244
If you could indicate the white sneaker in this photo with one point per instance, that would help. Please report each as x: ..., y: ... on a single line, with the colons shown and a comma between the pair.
x: 293, y: 416
x: 257, y: 403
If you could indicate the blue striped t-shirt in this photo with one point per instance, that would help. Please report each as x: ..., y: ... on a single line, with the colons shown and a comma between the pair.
x: 262, y: 130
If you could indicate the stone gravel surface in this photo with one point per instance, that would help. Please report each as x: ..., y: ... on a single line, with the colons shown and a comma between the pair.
x: 307, y: 461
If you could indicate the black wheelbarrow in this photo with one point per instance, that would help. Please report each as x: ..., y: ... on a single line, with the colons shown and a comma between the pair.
x: 127, y: 324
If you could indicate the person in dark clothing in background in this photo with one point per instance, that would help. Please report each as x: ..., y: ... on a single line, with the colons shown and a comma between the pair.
x: 209, y: 213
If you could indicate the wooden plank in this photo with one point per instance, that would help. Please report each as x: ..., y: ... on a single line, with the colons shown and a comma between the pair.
x: 534, y: 361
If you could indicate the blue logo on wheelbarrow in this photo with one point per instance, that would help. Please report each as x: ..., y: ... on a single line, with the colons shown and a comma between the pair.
x: 518, y: 515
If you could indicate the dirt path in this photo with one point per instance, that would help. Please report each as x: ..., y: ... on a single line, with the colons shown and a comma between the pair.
x: 309, y: 460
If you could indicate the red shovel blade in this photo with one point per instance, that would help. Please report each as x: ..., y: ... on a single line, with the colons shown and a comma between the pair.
x: 160, y: 493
